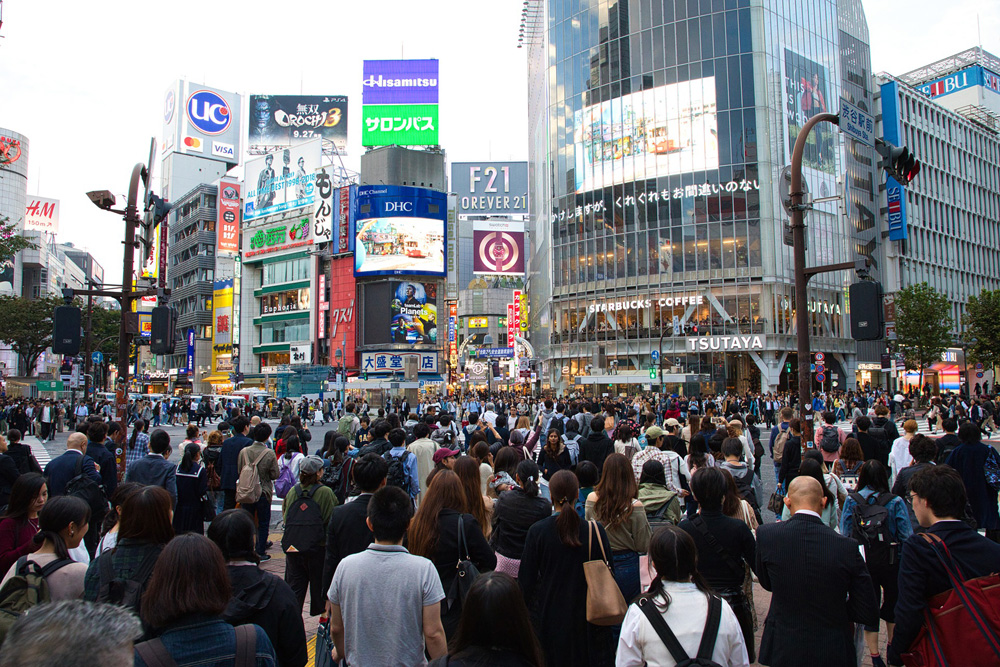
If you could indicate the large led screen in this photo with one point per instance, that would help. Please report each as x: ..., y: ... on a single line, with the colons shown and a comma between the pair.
x: 414, y: 313
x: 670, y: 129
x: 399, y: 245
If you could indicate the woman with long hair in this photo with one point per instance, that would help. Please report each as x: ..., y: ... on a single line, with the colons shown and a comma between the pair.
x: 504, y: 466
x: 515, y: 512
x: 109, y: 527
x: 337, y: 463
x: 192, y: 487
x: 680, y: 596
x: 495, y: 628
x: 552, y: 458
x: 183, y: 603
x: 62, y: 523
x: 625, y: 440
x: 434, y: 534
x: 20, y: 522
x: 292, y: 457
x: 614, y: 502
x: 554, y: 586
x: 848, y: 465
x: 467, y: 469
x: 138, y: 443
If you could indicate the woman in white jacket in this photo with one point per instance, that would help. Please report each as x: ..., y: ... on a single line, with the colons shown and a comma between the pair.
x: 679, y: 603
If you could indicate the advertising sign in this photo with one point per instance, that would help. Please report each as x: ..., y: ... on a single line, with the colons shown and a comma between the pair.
x: 510, y: 325
x: 300, y: 354
x: 279, y: 237
x: 495, y: 352
x: 399, y: 230
x: 190, y: 351
x: 343, y: 326
x: 324, y: 306
x: 399, y: 125
x: 222, y: 332
x: 392, y: 361
x: 414, y: 313
x: 323, y: 206
x: 490, y: 188
x: 670, y: 129
x: 228, y: 219
x: 282, y: 181
x: 517, y: 311
x: 731, y: 343
x: 479, y: 322
x: 499, y: 247
x: 343, y: 200
x: 807, y: 93
x: 966, y: 78
x: 524, y: 312
x: 453, y: 334
x: 42, y: 215
x: 895, y: 195
x: 289, y: 120
x: 151, y: 263
x: 202, y: 121
x: 399, y: 82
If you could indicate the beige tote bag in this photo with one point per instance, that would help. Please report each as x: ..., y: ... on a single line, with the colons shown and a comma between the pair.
x: 605, y: 604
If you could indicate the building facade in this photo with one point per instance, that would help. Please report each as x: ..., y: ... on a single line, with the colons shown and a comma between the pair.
x: 657, y: 134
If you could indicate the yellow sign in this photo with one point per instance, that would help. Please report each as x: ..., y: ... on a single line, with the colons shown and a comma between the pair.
x: 524, y: 311
x: 222, y: 323
x: 479, y: 322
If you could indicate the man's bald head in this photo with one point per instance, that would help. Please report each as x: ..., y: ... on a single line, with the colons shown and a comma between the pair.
x: 77, y: 441
x: 805, y: 493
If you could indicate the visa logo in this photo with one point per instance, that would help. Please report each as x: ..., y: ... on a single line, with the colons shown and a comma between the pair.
x: 220, y: 149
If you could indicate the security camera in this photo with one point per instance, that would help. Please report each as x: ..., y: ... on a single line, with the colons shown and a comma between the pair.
x: 103, y: 199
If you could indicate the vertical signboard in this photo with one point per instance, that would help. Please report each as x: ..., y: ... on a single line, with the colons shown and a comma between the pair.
x: 324, y: 306
x: 227, y: 223
x: 510, y: 325
x: 453, y: 334
x: 190, y: 351
x: 517, y: 311
x: 344, y: 219
x: 895, y: 195
x: 323, y: 207
x: 222, y: 329
x: 524, y: 312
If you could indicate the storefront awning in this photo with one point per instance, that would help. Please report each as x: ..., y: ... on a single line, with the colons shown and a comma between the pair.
x: 216, y: 379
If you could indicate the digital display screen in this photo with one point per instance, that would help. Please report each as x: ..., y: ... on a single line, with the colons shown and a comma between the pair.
x: 399, y: 246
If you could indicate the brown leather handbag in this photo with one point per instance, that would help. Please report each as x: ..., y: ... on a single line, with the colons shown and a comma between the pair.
x: 605, y: 603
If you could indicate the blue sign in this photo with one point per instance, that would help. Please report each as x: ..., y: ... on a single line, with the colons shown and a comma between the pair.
x: 495, y: 352
x: 895, y: 199
x: 856, y: 123
x: 976, y: 75
x: 399, y: 230
x: 97, y: 357
x: 190, y: 350
x: 399, y: 82
x: 656, y: 355
x: 208, y: 112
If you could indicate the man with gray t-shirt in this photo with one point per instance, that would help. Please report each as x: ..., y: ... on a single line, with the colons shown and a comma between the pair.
x: 376, y: 594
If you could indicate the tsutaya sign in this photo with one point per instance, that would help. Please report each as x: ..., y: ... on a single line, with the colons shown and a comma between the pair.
x: 734, y: 343
x: 632, y: 304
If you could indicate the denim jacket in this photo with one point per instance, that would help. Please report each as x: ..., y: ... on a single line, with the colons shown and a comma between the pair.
x: 206, y: 641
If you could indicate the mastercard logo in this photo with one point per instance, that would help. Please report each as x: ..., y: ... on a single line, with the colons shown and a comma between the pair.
x: 192, y: 142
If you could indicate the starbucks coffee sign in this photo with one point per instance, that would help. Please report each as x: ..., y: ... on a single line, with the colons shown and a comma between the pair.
x: 725, y: 343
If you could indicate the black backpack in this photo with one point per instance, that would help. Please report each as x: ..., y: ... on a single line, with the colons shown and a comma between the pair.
x: 669, y: 639
x: 397, y: 470
x: 744, y: 484
x: 881, y: 435
x: 304, y: 527
x: 87, y: 490
x: 121, y: 591
x: 338, y: 478
x: 870, y: 527
x: 829, y: 441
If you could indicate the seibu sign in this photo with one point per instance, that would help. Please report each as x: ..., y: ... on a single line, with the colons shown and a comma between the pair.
x: 633, y: 304
x: 725, y: 343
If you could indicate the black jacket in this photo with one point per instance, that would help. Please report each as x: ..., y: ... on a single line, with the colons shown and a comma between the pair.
x: 260, y: 597
x: 595, y: 448
x: 8, y: 475
x: 733, y: 537
x: 228, y: 464
x: 874, y: 448
x: 791, y: 459
x: 514, y: 513
x: 25, y: 460
x: 446, y: 555
x: 108, y: 467
x: 901, y: 488
x: 819, y: 587
x: 346, y: 534
x: 380, y: 447
x: 945, y: 444
x: 921, y: 575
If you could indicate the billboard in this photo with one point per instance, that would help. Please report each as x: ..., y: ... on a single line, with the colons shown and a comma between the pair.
x: 399, y: 82
x: 323, y: 206
x: 344, y: 202
x: 399, y: 230
x: 392, y: 361
x: 490, y: 188
x: 42, y: 215
x: 227, y: 224
x: 399, y: 125
x: 665, y: 130
x: 283, y: 236
x: 289, y: 120
x: 895, y: 195
x: 976, y: 75
x: 222, y: 322
x: 807, y: 93
x: 343, y: 324
x: 281, y: 181
x: 152, y: 261
x: 201, y: 121
x: 413, y: 313
x: 498, y: 247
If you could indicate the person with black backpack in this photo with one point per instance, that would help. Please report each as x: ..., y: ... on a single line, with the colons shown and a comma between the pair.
x: 306, y: 510
x: 880, y: 522
x: 671, y: 624
x: 402, y: 464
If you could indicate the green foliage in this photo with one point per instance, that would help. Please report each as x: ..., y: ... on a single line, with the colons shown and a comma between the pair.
x: 11, y: 242
x: 106, y: 330
x: 26, y: 325
x: 923, y: 325
x: 982, y: 328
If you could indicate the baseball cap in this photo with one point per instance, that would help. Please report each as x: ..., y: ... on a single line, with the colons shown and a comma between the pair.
x: 653, y: 432
x: 443, y: 453
x: 311, y: 465
x: 673, y: 423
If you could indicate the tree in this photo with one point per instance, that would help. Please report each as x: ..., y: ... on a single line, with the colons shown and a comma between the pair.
x: 11, y: 242
x: 923, y: 326
x: 982, y: 328
x: 26, y: 325
x: 104, y: 336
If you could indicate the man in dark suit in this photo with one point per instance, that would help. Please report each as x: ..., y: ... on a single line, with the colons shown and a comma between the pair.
x: 154, y: 469
x: 228, y: 466
x: 62, y: 469
x: 97, y: 432
x: 819, y: 584
x: 348, y: 533
x: 938, y: 497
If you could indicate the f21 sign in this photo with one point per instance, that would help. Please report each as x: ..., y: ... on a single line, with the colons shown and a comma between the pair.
x: 490, y: 188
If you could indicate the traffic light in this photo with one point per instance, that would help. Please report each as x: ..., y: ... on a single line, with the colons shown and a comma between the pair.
x: 898, y: 161
x: 66, y: 331
x: 652, y: 372
x: 866, y: 310
x: 156, y: 212
x: 162, y: 325
x: 788, y: 367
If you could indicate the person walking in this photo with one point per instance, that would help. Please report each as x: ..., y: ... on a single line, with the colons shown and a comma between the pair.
x: 19, y: 523
x: 973, y: 459
x: 306, y: 511
x: 514, y: 513
x: 154, y: 469
x: 261, y: 456
x: 228, y: 463
x: 192, y: 491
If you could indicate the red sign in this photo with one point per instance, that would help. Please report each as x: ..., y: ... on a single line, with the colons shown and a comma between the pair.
x: 10, y: 150
x: 227, y: 225
x: 343, y: 319
x: 343, y: 222
x: 510, y: 325
x: 324, y: 306
x: 517, y: 310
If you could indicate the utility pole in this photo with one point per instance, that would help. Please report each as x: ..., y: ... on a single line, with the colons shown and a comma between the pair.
x: 87, y: 340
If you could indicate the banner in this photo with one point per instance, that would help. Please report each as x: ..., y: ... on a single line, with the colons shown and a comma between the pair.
x: 517, y: 311
x: 42, y: 215
x: 290, y: 120
x: 282, y: 181
x: 222, y: 334
x: 498, y: 248
x: 453, y: 334
x: 228, y: 220
x: 414, y: 313
x: 323, y: 208
x: 510, y: 325
x: 807, y: 93
x: 399, y: 82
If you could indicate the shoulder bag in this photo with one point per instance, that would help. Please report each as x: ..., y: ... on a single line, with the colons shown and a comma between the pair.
x: 605, y: 603
x: 155, y: 654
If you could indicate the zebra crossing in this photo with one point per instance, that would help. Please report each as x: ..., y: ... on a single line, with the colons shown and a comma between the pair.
x: 40, y: 452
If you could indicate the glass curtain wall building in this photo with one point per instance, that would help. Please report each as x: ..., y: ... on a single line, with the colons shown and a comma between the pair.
x: 658, y: 129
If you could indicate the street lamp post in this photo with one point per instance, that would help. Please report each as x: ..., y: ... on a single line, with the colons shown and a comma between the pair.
x: 487, y: 341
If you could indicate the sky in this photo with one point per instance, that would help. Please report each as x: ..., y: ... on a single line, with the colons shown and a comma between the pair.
x: 85, y: 81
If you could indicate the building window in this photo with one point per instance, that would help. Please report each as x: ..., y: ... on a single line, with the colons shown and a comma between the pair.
x: 286, y: 271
